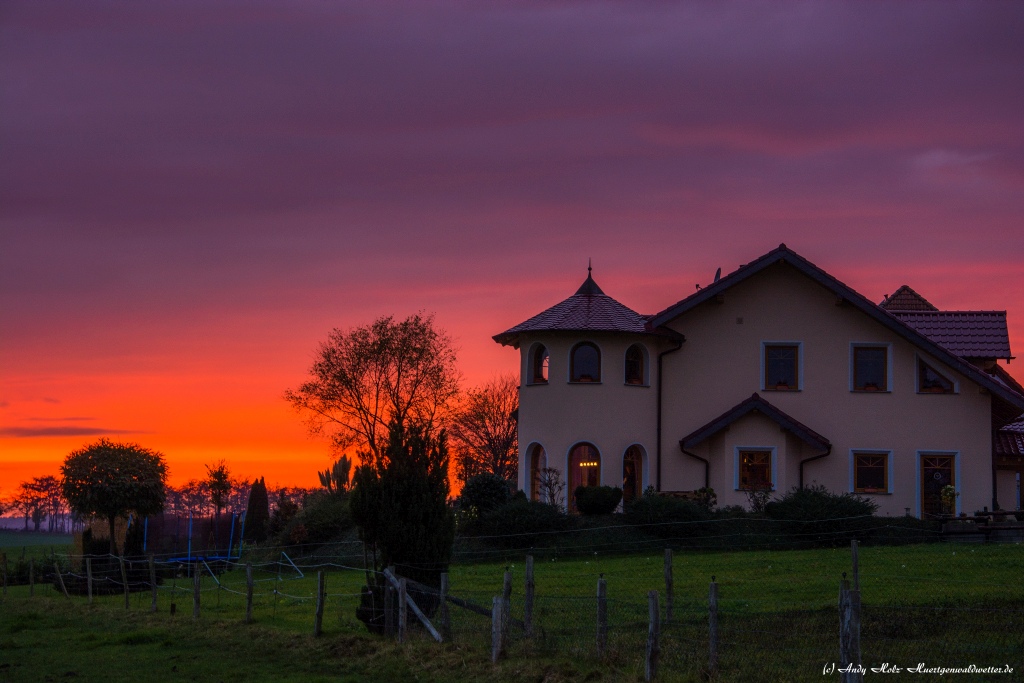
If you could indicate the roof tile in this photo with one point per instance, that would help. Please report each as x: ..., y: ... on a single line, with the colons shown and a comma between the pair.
x: 589, y: 309
x: 968, y: 334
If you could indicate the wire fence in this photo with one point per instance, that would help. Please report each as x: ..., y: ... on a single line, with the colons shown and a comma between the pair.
x: 756, y: 615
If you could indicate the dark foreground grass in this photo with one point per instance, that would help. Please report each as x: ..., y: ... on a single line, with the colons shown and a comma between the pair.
x: 940, y: 604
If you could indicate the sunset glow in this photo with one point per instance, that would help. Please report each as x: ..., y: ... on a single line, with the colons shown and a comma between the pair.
x: 193, y: 194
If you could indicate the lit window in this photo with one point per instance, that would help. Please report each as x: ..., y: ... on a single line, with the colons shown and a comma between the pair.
x: 635, y: 365
x: 781, y: 367
x: 632, y: 474
x: 870, y: 368
x: 755, y: 471
x: 584, y: 468
x: 540, y: 360
x: 586, y: 363
x: 870, y: 472
x: 930, y: 381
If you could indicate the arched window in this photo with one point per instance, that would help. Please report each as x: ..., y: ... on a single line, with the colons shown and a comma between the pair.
x: 636, y: 370
x: 584, y: 469
x: 538, y: 461
x: 539, y: 361
x: 632, y: 474
x: 585, y: 363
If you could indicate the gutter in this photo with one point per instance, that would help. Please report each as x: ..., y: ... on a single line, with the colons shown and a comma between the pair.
x: 679, y: 344
x: 807, y: 460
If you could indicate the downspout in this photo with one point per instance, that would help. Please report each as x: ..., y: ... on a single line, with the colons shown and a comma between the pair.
x: 707, y: 465
x: 992, y: 449
x: 828, y: 451
x: 661, y: 356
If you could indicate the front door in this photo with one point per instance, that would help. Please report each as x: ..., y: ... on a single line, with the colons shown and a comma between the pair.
x: 936, y: 473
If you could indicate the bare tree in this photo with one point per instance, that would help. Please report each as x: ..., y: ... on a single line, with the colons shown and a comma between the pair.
x: 367, y: 377
x: 551, y: 486
x: 485, y: 430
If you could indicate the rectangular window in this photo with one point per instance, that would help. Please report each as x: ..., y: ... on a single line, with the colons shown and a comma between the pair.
x: 870, y: 368
x: 755, y: 471
x: 930, y: 381
x: 781, y: 367
x: 871, y: 472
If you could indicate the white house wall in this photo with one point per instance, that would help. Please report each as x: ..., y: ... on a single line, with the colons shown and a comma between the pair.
x: 611, y: 415
x: 720, y: 365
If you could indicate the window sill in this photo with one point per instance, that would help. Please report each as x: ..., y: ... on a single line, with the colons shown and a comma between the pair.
x: 873, y: 493
x: 936, y: 393
x: 783, y: 391
x: 537, y: 384
x: 583, y: 384
x: 632, y: 384
x: 870, y: 391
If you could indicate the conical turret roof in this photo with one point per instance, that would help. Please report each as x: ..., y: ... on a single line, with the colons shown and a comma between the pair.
x: 588, y: 310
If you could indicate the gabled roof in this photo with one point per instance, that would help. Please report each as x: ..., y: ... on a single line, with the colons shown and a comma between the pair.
x: 906, y: 299
x: 756, y: 404
x: 968, y: 334
x: 588, y: 310
x: 784, y: 255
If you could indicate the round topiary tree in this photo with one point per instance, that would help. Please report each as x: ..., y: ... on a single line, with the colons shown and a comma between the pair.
x: 110, y: 479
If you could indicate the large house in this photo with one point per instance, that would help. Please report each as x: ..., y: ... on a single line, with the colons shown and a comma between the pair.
x: 776, y: 375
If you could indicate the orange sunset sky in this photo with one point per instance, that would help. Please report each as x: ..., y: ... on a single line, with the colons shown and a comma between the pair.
x: 192, y: 194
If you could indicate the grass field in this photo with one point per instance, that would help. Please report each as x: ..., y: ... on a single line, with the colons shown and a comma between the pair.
x: 942, y: 604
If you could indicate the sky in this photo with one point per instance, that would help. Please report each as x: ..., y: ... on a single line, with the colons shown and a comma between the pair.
x: 193, y: 194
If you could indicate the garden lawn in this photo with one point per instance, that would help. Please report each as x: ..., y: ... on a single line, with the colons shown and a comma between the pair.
x: 944, y: 604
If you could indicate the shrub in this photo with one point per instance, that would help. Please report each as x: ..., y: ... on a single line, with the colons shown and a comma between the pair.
x: 666, y: 517
x: 325, y: 516
x: 484, y: 493
x: 814, y: 515
x: 597, y: 500
x: 522, y: 524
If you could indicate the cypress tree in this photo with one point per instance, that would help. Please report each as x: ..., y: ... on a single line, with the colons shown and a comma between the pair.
x: 399, y: 501
x: 257, y: 512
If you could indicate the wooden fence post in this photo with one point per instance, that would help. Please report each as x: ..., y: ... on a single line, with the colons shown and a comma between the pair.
x: 389, y: 610
x: 248, y: 592
x: 31, y: 577
x: 844, y: 624
x: 64, y: 589
x: 320, y: 595
x: 196, y: 578
x: 403, y: 609
x: 446, y: 617
x: 152, y: 582
x: 713, y: 627
x: 124, y: 580
x: 669, y: 593
x: 497, y: 632
x: 88, y: 576
x: 506, y: 595
x: 856, y: 565
x: 653, y: 636
x: 528, y: 600
x: 602, y: 616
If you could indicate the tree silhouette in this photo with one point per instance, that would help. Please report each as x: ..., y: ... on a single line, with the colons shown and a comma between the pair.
x: 110, y: 479
x: 365, y: 378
